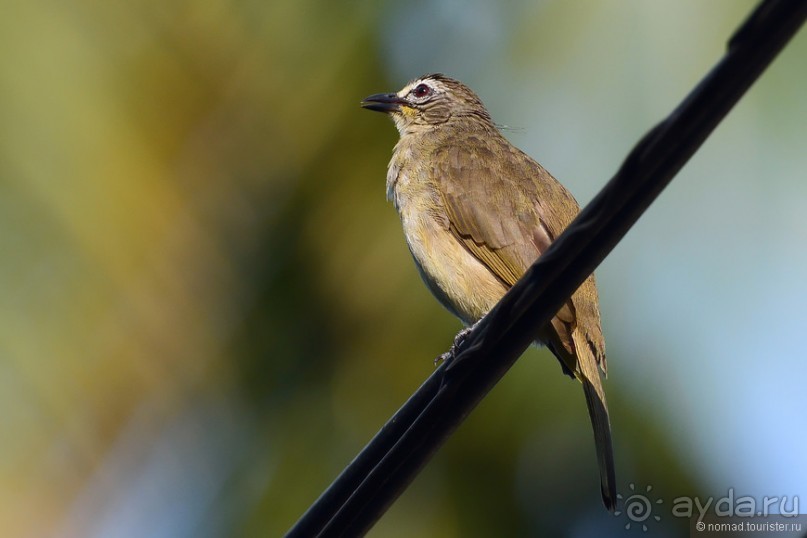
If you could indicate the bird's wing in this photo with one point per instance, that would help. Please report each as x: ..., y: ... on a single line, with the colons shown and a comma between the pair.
x: 506, y: 209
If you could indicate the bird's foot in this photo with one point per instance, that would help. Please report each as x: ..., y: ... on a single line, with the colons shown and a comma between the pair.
x: 459, y: 341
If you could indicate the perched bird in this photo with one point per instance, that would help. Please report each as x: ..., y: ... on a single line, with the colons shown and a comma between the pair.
x: 476, y: 213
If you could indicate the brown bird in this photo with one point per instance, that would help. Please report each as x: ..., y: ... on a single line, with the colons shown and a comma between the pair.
x: 476, y: 213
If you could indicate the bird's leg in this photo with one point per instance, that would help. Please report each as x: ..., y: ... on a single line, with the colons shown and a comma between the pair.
x: 459, y: 341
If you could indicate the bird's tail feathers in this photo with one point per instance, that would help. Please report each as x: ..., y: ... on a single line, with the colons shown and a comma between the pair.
x: 589, y: 375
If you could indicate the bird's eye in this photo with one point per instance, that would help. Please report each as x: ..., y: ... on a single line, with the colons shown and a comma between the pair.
x: 421, y: 91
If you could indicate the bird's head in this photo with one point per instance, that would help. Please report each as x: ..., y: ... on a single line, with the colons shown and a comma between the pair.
x: 429, y: 101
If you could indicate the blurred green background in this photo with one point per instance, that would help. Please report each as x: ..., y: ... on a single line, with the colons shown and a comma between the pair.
x: 207, y: 306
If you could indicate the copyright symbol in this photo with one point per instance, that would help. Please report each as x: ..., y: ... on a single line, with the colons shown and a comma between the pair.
x: 700, y: 525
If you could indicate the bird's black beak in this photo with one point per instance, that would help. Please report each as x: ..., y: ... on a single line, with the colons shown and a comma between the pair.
x: 383, y: 102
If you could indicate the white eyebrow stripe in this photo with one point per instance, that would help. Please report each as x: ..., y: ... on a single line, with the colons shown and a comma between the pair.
x: 433, y: 84
x: 408, y: 88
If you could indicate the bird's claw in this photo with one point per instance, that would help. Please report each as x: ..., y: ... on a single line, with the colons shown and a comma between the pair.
x: 443, y: 357
x: 456, y: 347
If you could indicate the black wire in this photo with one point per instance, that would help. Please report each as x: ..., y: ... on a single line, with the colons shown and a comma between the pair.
x: 386, y: 466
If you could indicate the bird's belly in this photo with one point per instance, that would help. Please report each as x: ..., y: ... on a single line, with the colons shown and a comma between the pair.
x: 459, y: 281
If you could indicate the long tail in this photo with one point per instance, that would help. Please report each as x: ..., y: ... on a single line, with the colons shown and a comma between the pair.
x: 598, y: 411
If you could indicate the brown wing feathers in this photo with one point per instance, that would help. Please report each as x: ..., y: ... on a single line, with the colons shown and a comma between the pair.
x: 477, y: 198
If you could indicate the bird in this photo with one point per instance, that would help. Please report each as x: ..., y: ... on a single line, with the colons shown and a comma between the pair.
x: 476, y: 213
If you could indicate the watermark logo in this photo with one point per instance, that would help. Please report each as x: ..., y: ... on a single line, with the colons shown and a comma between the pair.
x: 638, y: 508
x: 641, y: 508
